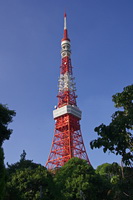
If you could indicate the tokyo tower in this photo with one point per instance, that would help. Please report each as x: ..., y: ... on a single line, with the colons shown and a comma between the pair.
x: 67, y: 140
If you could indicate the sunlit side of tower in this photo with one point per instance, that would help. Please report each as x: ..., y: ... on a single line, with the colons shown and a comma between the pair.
x: 67, y: 140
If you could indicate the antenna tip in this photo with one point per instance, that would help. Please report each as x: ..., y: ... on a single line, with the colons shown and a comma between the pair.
x: 65, y: 14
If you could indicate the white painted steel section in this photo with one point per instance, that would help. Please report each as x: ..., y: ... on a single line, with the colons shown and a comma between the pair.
x: 66, y: 82
x: 65, y: 26
x: 67, y: 109
x: 65, y: 42
x: 65, y: 53
x: 65, y: 49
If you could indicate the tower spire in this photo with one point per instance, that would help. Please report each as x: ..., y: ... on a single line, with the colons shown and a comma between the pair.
x: 67, y: 141
x: 65, y: 28
x: 65, y: 25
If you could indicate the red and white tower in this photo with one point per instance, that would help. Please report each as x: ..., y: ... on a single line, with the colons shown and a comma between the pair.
x: 67, y: 141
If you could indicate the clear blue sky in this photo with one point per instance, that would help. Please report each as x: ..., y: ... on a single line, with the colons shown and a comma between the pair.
x: 101, y: 34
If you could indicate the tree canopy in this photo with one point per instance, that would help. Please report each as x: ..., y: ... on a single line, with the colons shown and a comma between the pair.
x: 27, y: 180
x: 6, y: 117
x: 2, y: 174
x: 78, y: 180
x: 117, y: 137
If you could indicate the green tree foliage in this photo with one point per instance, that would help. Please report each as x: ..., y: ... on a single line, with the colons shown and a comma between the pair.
x: 21, y: 164
x: 78, y: 180
x: 26, y: 184
x: 120, y: 186
x: 117, y: 137
x: 6, y: 117
x: 28, y: 181
x: 109, y: 170
x: 125, y: 184
x: 75, y: 180
x: 2, y: 174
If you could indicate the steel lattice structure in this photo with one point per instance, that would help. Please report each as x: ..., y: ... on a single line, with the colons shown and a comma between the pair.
x: 67, y: 141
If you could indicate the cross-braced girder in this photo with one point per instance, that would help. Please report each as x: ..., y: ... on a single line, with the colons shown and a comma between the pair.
x: 67, y: 141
